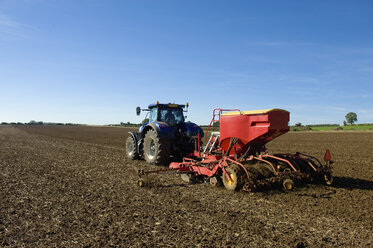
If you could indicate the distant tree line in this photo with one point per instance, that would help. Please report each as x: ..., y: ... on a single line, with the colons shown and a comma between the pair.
x: 125, y: 124
x: 322, y: 125
x: 32, y: 122
x: 351, y: 118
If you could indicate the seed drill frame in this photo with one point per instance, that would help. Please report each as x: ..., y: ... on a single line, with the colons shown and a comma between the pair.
x: 236, y: 157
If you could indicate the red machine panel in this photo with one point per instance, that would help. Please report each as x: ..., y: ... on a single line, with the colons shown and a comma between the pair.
x: 252, y: 127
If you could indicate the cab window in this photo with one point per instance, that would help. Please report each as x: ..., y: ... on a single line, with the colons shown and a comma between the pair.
x: 153, y: 115
x: 171, y: 116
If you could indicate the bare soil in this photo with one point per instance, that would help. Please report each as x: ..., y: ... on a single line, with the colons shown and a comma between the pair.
x: 74, y: 187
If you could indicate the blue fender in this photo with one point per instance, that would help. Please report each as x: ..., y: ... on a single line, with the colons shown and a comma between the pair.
x: 192, y: 129
x: 163, y: 130
x: 134, y: 136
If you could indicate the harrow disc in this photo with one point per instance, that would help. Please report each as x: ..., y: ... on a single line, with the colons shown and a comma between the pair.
x: 189, y: 178
x: 288, y: 184
x: 215, y: 181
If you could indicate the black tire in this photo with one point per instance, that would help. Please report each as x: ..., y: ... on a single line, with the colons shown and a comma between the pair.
x: 156, y: 150
x: 131, y: 148
x: 235, y: 173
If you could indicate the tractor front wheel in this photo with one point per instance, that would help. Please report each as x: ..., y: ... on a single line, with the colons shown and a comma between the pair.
x: 235, y: 174
x: 131, y: 148
x: 156, y: 150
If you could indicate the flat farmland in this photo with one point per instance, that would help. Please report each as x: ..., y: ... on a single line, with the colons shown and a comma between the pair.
x: 72, y: 186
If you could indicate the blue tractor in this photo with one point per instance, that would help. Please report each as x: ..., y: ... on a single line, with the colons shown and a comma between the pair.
x: 165, y: 136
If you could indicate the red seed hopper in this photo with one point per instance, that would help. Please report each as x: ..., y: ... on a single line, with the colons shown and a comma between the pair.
x: 255, y: 128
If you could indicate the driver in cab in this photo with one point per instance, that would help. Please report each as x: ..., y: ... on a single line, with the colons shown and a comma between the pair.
x: 170, y: 118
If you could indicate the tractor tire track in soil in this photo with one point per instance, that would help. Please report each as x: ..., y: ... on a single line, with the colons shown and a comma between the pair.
x: 74, y: 187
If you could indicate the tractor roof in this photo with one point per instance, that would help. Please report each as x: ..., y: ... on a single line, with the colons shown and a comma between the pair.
x: 166, y: 105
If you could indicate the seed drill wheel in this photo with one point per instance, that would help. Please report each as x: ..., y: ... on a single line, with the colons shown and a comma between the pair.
x: 235, y: 182
x: 131, y: 148
x: 288, y: 184
x: 156, y: 150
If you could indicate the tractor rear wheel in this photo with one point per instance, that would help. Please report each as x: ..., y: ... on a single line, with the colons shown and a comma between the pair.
x: 131, y: 148
x: 156, y: 150
x: 235, y: 182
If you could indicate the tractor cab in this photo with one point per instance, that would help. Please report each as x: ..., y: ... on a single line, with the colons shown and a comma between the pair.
x: 172, y: 114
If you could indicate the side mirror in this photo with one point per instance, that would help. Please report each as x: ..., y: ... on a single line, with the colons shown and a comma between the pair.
x: 138, y: 111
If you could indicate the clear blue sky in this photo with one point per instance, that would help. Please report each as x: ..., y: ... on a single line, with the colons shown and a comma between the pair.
x: 90, y: 61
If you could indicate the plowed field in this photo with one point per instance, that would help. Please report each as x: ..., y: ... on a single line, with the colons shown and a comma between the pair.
x: 74, y: 187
